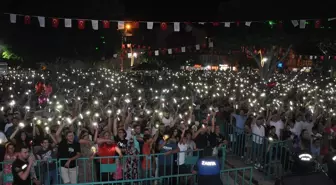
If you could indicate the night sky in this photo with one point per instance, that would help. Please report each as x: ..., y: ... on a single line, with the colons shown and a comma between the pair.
x: 43, y: 43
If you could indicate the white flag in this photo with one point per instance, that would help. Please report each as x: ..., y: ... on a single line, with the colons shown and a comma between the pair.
x: 121, y: 25
x: 67, y: 23
x: 295, y: 23
x: 197, y: 47
x: 302, y: 24
x: 150, y: 25
x: 94, y: 24
x: 248, y: 24
x: 210, y: 44
x: 176, y: 26
x: 183, y: 49
x: 41, y: 21
x: 227, y: 24
x: 12, y: 18
x: 156, y: 52
x: 170, y: 51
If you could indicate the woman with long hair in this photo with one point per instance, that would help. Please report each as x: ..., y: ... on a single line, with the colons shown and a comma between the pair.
x: 107, y: 149
x: 20, y: 141
x: 10, y: 156
x: 86, y: 169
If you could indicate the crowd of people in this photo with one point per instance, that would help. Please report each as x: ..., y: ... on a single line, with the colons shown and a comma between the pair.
x: 79, y: 124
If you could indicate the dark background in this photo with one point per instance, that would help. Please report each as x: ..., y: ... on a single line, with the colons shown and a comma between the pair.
x: 35, y: 43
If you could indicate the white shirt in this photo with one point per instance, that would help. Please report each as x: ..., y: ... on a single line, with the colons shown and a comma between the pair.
x: 7, y: 126
x: 181, y: 156
x: 298, y: 127
x: 166, y: 121
x: 308, y: 126
x: 3, y: 138
x: 279, y: 125
x: 258, y: 134
x: 129, y: 133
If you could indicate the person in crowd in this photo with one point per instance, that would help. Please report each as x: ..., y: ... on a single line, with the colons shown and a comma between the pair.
x: 21, y: 139
x: 10, y: 156
x: 201, y: 138
x: 107, y: 150
x: 132, y: 160
x: 258, y: 135
x: 239, y: 131
x: 166, y: 157
x: 86, y: 169
x: 278, y: 124
x: 21, y: 168
x: 68, y: 152
x: 47, y: 157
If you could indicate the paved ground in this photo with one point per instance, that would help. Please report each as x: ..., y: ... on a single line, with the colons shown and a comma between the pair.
x: 258, y: 177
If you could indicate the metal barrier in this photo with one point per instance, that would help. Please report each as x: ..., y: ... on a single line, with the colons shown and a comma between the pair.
x: 241, y: 176
x: 112, y: 168
x: 273, y: 157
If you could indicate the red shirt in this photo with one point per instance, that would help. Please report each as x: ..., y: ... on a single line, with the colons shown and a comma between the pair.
x: 146, y: 151
x: 106, y: 150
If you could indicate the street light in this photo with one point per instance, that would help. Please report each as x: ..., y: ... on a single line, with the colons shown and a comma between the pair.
x: 128, y: 26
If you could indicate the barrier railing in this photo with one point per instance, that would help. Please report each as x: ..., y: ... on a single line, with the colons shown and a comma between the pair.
x: 241, y: 176
x: 113, y: 168
x: 272, y: 157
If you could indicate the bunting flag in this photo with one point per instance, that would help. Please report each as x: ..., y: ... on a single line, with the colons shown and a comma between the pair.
x: 176, y: 25
x: 55, y: 22
x: 128, y: 48
x: 208, y: 48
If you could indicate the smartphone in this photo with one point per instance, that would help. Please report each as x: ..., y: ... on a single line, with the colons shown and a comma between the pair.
x: 166, y: 137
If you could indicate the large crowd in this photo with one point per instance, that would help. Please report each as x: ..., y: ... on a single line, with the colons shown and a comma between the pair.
x: 69, y: 123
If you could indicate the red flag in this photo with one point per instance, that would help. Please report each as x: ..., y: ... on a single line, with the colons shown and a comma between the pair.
x: 149, y: 53
x: 322, y: 57
x: 237, y: 23
x: 81, y: 24
x: 317, y: 24
x: 123, y: 46
x: 215, y: 23
x: 163, y: 26
x: 163, y: 51
x: 55, y: 22
x: 27, y: 19
x: 135, y: 24
x: 106, y: 24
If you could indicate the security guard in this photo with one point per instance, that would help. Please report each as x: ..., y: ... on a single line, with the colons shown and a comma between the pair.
x: 208, y: 169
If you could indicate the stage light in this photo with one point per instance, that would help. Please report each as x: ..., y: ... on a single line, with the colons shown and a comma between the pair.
x: 305, y: 157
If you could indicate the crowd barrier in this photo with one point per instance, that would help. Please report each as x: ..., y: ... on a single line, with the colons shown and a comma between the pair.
x: 113, y: 168
x: 272, y: 157
x: 241, y: 176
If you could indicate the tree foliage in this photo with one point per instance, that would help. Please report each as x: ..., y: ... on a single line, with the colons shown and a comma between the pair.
x: 8, y: 54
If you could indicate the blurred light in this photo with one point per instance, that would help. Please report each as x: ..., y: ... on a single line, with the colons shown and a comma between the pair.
x: 280, y: 65
x: 128, y: 26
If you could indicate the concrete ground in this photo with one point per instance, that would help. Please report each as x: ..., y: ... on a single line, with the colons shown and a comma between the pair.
x: 258, y: 177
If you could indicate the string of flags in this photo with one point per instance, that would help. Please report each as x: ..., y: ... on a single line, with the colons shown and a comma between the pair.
x: 131, y: 48
x: 95, y: 24
x: 208, y: 48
